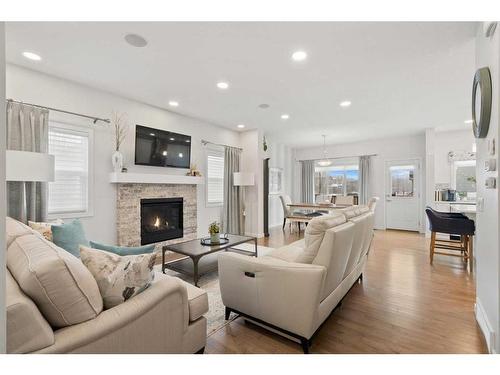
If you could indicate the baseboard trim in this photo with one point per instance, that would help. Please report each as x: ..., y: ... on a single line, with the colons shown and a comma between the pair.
x: 485, y: 325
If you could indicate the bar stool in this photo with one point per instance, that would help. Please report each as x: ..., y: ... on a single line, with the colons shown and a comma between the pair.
x: 456, y: 225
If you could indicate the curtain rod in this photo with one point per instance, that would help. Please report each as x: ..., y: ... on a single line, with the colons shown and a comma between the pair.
x: 204, y: 142
x: 338, y: 157
x: 62, y: 111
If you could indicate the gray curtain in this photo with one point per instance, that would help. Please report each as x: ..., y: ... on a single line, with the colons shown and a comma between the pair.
x: 232, y: 209
x: 27, y: 130
x: 364, y: 179
x: 307, y: 181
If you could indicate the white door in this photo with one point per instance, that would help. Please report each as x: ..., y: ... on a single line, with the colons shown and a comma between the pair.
x: 402, y: 194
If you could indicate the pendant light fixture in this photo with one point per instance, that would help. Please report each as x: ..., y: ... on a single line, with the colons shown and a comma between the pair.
x: 325, y: 162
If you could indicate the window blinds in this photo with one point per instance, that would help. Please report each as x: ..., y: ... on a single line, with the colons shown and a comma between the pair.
x: 70, y: 191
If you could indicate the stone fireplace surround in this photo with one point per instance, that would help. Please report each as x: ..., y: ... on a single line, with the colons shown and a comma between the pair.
x: 128, y: 213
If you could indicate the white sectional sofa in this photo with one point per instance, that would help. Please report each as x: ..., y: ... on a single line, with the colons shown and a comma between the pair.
x: 54, y: 306
x: 293, y: 289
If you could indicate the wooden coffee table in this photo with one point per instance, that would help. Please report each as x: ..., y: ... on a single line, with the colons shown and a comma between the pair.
x: 195, y: 251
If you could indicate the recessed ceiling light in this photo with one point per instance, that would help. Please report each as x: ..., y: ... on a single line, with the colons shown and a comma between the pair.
x: 345, y: 103
x: 264, y: 106
x: 222, y: 85
x: 468, y: 121
x: 173, y: 103
x: 32, y: 56
x: 241, y: 126
x: 285, y: 116
x: 136, y: 40
x: 299, y: 56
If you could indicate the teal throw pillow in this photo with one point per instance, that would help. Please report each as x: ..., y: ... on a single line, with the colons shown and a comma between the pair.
x: 70, y: 236
x: 122, y: 250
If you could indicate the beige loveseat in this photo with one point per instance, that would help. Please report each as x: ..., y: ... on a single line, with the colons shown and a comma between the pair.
x: 54, y: 307
x: 292, y: 290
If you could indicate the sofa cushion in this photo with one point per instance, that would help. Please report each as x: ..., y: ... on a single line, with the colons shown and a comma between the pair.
x: 119, y: 277
x: 15, y: 229
x: 314, y: 235
x: 349, y: 212
x: 60, y: 285
x: 354, y: 211
x: 27, y: 330
x: 363, y: 209
x: 70, y: 236
x: 289, y: 253
x: 197, y: 302
x: 123, y: 250
x: 44, y: 228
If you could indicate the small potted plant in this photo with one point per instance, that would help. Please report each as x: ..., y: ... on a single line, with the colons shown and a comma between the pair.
x: 214, y: 230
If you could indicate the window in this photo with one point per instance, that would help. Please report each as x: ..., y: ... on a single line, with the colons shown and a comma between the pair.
x: 70, y: 193
x: 342, y: 178
x: 215, y: 177
x: 402, y: 180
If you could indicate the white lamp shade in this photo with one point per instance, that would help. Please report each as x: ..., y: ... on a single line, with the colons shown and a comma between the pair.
x: 29, y: 166
x: 243, y: 179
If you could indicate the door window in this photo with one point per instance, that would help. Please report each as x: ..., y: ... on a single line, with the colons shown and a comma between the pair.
x: 402, y: 180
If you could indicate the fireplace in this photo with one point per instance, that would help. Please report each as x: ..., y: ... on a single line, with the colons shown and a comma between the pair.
x: 161, y: 219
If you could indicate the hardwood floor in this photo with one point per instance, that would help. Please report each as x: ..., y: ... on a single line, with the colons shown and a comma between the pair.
x: 403, y: 305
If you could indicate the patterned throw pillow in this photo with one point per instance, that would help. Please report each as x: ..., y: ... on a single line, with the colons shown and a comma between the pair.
x: 118, y: 277
x: 45, y: 229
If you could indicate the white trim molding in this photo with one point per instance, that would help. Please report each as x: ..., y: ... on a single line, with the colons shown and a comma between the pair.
x: 154, y: 178
x: 485, y: 325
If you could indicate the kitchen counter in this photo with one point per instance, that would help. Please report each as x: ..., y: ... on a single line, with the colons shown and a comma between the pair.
x: 467, y: 208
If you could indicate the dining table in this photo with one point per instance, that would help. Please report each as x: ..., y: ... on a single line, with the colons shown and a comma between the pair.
x: 317, y: 206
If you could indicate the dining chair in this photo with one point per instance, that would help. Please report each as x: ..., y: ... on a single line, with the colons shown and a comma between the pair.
x: 344, y: 200
x: 290, y: 215
x: 455, y: 225
x: 372, y: 203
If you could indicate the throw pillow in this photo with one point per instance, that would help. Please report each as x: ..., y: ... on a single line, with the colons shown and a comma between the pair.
x: 70, y: 236
x: 122, y: 250
x: 119, y: 278
x: 44, y: 228
x: 15, y: 229
x: 64, y: 289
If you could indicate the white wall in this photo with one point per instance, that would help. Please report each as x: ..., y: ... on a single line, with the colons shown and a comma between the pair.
x: 444, y: 142
x: 2, y: 190
x: 251, y: 161
x: 34, y: 87
x: 386, y: 149
x: 280, y: 156
x: 487, y: 222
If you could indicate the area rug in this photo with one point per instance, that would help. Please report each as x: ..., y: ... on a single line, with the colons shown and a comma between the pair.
x: 210, y: 283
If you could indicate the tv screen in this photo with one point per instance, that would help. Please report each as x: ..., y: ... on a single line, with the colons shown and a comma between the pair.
x: 161, y: 148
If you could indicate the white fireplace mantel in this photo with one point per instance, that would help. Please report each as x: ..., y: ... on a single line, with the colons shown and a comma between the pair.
x: 154, y: 178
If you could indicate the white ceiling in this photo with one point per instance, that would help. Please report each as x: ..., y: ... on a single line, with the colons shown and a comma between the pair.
x: 400, y: 77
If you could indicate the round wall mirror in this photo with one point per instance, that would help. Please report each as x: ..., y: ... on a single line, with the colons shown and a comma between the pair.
x: 481, y: 102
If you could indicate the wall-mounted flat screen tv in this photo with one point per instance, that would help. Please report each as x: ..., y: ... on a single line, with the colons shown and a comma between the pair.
x: 161, y: 148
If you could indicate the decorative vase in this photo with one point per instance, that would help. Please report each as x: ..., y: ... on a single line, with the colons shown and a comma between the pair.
x: 214, y: 238
x: 117, y: 160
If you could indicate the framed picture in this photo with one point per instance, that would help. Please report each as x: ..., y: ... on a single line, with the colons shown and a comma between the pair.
x: 275, y: 180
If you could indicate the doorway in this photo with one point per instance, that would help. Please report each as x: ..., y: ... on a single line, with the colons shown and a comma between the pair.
x: 402, y: 194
